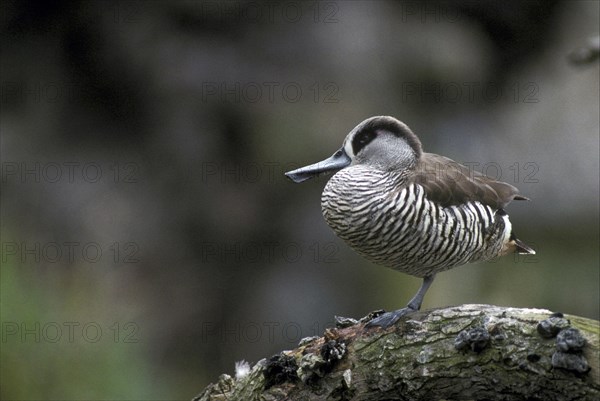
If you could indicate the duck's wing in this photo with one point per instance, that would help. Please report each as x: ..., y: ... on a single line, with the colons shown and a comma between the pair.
x: 447, y: 183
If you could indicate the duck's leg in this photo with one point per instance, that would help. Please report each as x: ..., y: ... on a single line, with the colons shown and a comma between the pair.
x: 389, y: 318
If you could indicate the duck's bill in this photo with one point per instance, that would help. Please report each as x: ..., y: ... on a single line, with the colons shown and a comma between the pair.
x: 338, y: 161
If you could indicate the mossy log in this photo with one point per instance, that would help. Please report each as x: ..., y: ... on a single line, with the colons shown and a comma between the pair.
x: 469, y: 352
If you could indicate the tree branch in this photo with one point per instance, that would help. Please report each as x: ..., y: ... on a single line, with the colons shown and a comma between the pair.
x: 470, y: 352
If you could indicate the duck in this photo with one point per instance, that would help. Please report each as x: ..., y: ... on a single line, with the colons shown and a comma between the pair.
x: 415, y: 212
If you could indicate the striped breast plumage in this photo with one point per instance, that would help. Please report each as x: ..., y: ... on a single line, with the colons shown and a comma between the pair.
x: 392, y: 222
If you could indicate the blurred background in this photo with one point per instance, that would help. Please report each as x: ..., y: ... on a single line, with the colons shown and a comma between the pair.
x: 149, y: 237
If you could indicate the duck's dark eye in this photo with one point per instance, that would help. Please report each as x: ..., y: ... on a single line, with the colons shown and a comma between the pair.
x: 362, y: 139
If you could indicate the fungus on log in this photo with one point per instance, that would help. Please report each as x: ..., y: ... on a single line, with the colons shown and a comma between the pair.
x: 468, y: 352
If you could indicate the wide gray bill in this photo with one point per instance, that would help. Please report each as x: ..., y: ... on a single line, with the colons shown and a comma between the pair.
x: 338, y: 161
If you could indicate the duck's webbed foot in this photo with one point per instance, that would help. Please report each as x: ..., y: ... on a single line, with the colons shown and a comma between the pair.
x: 390, y: 318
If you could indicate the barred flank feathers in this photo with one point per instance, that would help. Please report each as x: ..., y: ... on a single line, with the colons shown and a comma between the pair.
x: 406, y: 231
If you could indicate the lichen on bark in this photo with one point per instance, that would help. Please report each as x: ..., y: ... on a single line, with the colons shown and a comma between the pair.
x: 469, y: 352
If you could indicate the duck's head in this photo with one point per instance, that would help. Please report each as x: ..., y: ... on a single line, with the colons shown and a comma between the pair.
x: 381, y: 142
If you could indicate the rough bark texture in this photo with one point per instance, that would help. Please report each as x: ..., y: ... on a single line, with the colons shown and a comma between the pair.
x: 470, y: 352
